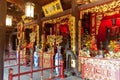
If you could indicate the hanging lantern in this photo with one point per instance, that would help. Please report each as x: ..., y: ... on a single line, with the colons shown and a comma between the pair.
x: 79, y: 1
x: 8, y: 20
x: 29, y: 9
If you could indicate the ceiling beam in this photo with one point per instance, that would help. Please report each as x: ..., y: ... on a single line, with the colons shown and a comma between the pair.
x: 66, y: 12
x: 99, y: 2
x: 19, y: 3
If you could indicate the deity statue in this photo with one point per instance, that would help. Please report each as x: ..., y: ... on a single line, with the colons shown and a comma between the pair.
x: 58, y: 58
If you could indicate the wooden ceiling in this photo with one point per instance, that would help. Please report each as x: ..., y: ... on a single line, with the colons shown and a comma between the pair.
x: 16, y: 8
x: 38, y: 3
x: 21, y: 3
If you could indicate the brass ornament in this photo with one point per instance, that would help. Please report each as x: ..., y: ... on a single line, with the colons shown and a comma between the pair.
x: 103, y: 8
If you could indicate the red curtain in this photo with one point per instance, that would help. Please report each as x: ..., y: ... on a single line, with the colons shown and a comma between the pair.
x: 118, y: 22
x: 102, y: 29
x: 111, y: 17
x: 106, y: 22
x: 64, y: 28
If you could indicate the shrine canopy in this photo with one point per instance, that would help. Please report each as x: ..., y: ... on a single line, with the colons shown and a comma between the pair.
x: 111, y: 17
x: 107, y: 22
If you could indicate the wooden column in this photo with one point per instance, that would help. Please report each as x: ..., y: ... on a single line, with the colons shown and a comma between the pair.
x: 75, y: 13
x: 39, y: 22
x: 3, y: 9
x: 40, y: 27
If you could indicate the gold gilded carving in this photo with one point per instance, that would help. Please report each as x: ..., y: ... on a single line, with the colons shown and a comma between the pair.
x: 104, y: 8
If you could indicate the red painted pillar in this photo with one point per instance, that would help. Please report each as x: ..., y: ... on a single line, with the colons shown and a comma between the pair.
x: 83, y: 70
x: 25, y: 60
x: 42, y: 64
x: 62, y: 69
x: 9, y: 53
x: 31, y: 64
x: 10, y: 77
x: 18, y: 63
x: 51, y: 64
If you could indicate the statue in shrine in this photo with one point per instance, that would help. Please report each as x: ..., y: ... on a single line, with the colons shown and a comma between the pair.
x: 36, y: 56
x: 93, y: 47
x: 113, y: 31
x: 58, y: 58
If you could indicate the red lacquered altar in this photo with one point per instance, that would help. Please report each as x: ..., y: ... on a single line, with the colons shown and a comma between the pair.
x: 100, y: 59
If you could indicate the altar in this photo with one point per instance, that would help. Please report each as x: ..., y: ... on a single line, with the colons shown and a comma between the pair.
x: 46, y: 59
x: 100, y: 69
x: 99, y: 54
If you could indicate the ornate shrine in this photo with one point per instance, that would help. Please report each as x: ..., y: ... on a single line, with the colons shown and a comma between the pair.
x: 104, y: 24
x: 96, y: 35
x: 100, y: 45
x: 27, y: 39
x: 63, y: 26
x: 58, y: 31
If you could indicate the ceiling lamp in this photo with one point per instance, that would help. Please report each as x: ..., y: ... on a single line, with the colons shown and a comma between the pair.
x: 29, y: 10
x: 93, y: 0
x: 8, y: 20
x: 79, y: 1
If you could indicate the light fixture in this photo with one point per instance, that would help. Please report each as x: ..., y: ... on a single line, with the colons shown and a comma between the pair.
x: 8, y: 20
x: 29, y: 10
x: 79, y: 1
